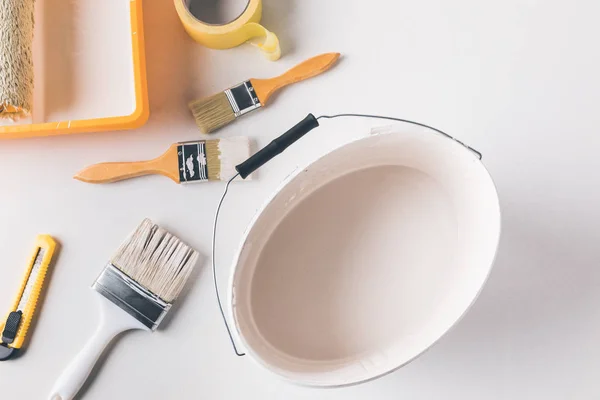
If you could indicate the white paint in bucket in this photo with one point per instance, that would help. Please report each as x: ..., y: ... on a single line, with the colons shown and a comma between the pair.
x: 364, y: 259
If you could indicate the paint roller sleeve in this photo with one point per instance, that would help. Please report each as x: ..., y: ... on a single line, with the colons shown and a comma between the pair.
x: 16, y: 59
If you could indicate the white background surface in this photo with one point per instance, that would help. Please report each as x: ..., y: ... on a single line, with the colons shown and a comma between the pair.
x: 518, y: 80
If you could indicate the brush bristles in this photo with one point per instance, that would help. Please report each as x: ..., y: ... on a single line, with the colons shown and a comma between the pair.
x: 213, y: 159
x: 156, y: 260
x: 222, y: 155
x: 212, y: 112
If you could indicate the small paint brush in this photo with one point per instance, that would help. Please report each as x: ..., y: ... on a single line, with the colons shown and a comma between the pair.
x: 220, y: 109
x: 200, y: 161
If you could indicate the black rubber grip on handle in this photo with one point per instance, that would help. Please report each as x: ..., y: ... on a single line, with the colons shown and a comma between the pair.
x: 277, y: 146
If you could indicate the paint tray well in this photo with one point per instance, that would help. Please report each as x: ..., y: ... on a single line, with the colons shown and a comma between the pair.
x: 89, y: 69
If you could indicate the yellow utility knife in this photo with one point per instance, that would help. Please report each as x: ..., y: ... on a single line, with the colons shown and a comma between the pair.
x: 13, y: 328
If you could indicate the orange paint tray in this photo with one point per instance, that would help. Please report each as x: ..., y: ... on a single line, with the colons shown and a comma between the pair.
x: 90, y: 71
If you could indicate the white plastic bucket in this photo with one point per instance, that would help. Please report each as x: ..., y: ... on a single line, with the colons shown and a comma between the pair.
x: 364, y: 259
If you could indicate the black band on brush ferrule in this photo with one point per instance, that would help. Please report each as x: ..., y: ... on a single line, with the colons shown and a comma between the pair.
x: 242, y: 98
x: 192, y: 162
x: 277, y: 146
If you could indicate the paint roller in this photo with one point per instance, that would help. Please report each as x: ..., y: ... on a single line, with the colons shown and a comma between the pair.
x: 16, y: 59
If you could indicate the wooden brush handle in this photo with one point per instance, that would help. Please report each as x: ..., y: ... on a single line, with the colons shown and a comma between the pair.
x: 264, y: 88
x: 117, y: 171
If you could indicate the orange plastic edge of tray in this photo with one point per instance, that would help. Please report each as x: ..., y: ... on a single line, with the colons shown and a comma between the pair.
x: 132, y: 121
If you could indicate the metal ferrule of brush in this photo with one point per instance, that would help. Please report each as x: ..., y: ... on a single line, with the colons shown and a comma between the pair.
x: 132, y: 298
x: 242, y: 98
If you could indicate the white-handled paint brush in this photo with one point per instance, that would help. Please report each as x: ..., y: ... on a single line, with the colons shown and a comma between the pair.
x: 137, y: 289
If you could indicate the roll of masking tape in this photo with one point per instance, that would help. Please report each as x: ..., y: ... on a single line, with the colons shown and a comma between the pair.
x: 245, y: 28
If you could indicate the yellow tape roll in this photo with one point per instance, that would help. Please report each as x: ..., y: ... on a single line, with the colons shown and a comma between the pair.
x: 245, y: 28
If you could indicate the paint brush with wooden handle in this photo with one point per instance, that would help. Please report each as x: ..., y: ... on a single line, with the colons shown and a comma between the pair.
x: 200, y: 161
x: 220, y: 109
